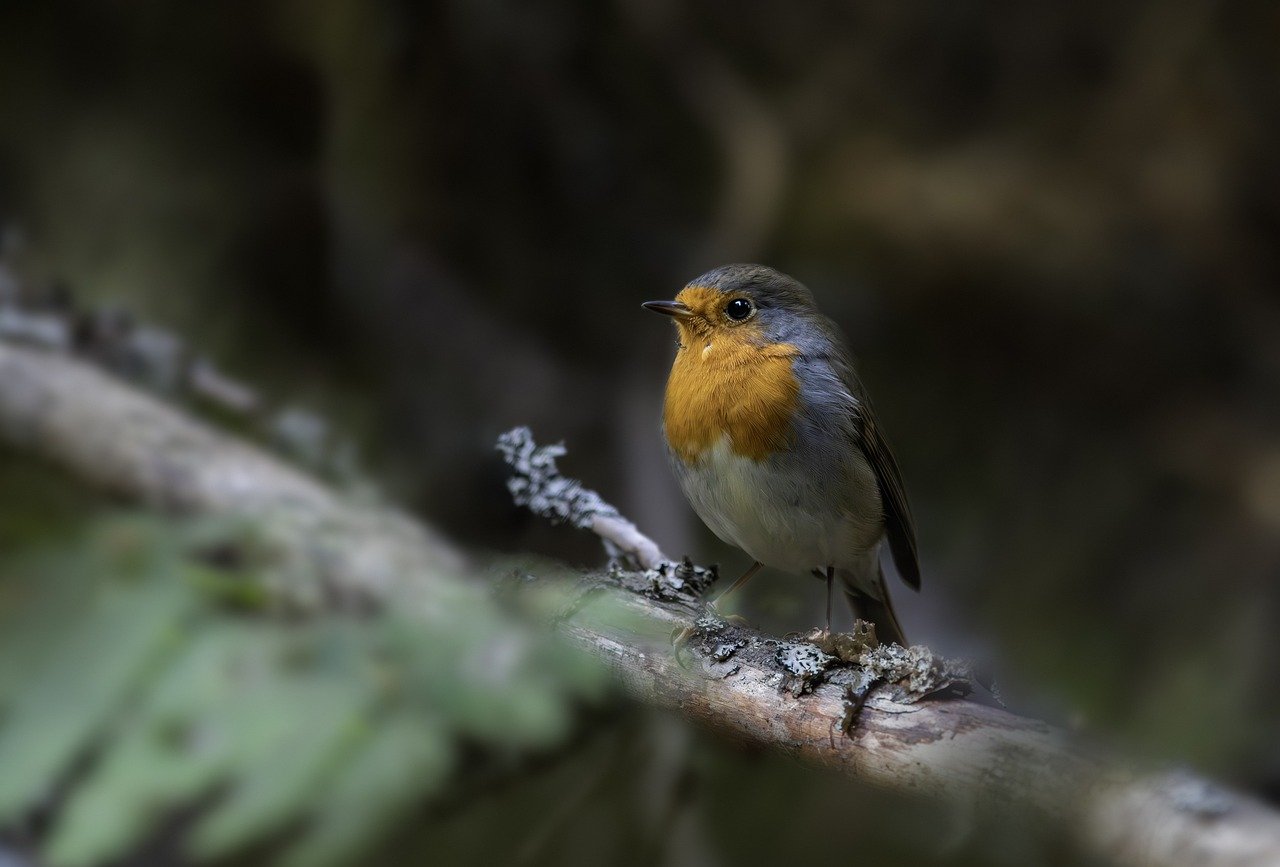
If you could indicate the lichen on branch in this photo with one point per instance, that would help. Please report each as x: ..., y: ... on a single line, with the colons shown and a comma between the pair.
x: 538, y: 484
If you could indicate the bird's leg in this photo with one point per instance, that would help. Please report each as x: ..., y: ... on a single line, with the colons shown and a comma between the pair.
x: 681, y: 637
x: 827, y: 575
x: 831, y: 574
x: 746, y: 576
x: 823, y: 637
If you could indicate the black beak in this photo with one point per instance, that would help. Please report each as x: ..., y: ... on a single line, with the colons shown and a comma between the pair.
x: 669, y: 308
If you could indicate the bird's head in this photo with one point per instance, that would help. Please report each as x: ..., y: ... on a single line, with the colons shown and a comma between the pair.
x: 747, y: 303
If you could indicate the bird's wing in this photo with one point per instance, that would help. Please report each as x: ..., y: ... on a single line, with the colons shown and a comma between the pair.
x: 900, y: 527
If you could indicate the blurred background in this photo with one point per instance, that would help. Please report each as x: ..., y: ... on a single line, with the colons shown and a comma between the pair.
x: 1049, y: 233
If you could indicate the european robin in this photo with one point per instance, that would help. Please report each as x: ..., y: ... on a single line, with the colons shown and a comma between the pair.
x: 775, y: 444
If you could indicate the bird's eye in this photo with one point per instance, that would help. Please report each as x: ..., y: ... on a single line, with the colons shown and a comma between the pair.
x: 738, y: 309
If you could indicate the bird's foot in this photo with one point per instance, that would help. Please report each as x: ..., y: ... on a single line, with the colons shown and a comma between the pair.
x: 681, y: 637
x: 734, y: 619
x: 818, y: 636
x: 845, y: 646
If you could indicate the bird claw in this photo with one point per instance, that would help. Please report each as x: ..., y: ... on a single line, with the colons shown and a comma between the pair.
x: 681, y: 637
x: 735, y: 620
x: 821, y: 637
x: 732, y: 619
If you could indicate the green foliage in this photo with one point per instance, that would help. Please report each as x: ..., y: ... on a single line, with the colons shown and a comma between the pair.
x: 140, y: 680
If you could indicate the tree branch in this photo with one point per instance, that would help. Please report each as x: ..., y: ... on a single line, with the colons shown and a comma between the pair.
x: 736, y: 681
x: 128, y: 443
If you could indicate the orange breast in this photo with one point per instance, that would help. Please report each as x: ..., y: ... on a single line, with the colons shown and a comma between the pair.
x: 729, y: 386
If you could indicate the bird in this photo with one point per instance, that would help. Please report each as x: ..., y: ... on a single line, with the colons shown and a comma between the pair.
x: 775, y: 444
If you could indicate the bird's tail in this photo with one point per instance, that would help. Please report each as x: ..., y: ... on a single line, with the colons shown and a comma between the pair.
x: 870, y: 601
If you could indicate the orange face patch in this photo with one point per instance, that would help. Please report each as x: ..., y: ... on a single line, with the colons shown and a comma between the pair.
x: 728, y: 381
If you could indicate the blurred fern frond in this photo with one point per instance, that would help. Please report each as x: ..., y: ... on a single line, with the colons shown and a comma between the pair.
x: 145, y: 675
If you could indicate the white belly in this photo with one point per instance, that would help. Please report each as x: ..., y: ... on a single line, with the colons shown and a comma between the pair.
x: 783, y: 515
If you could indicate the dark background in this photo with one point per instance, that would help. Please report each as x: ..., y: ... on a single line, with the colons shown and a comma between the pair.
x: 1048, y: 231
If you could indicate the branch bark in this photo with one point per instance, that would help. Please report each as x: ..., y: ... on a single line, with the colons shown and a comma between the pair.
x: 117, y: 438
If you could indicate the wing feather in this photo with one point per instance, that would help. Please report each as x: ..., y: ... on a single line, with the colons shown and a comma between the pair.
x: 828, y: 358
x: 900, y: 527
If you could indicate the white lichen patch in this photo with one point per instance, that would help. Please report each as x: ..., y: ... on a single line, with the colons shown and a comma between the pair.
x: 726, y: 649
x: 914, y: 672
x: 709, y: 624
x: 804, y: 664
x: 673, y: 580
